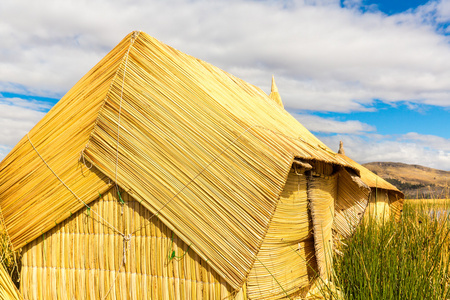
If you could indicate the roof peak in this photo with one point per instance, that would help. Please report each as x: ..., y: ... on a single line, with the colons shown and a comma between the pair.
x: 341, y: 148
x: 274, y: 88
x: 274, y: 95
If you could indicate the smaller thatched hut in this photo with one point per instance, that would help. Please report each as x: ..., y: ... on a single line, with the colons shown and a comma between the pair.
x: 385, y: 199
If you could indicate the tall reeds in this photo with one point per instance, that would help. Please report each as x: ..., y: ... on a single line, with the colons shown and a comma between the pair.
x: 398, y: 260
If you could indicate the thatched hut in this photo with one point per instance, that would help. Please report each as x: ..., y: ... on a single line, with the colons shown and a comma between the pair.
x: 160, y: 176
x: 385, y: 199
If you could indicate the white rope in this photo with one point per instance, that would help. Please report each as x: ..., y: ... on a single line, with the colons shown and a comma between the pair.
x: 126, y: 239
x: 73, y: 193
x: 82, y: 158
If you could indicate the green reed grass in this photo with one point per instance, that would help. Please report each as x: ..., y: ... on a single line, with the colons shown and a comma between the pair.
x: 398, y: 260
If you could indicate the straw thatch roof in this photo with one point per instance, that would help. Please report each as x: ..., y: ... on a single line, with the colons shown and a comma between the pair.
x: 367, y: 176
x: 385, y: 199
x: 205, y: 151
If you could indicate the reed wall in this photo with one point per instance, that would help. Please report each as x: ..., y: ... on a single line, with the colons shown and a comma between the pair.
x: 378, y: 207
x: 396, y: 201
x: 82, y: 258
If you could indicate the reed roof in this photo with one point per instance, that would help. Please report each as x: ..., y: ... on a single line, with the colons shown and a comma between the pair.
x: 203, y: 150
x: 370, y: 178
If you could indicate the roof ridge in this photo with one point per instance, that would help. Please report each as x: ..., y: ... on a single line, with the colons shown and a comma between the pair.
x: 132, y: 36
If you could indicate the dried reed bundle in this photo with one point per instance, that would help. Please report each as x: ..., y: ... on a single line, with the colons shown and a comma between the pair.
x: 322, y: 192
x: 8, y: 290
x: 286, y: 260
x: 378, y: 208
x: 33, y: 200
x: 351, y: 202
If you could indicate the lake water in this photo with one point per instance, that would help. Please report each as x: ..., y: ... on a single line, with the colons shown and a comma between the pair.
x: 439, y: 213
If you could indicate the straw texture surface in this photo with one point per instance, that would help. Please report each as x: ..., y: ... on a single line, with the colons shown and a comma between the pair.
x: 8, y: 290
x: 206, y: 151
x: 396, y: 205
x: 352, y: 200
x: 322, y: 192
x: 82, y: 259
x: 275, y: 95
x: 379, y: 205
x: 32, y: 198
x: 391, y: 199
x: 370, y: 178
x: 286, y: 260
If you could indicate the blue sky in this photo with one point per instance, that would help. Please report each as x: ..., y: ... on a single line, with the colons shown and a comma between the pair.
x: 398, y: 119
x: 391, y: 7
x: 375, y: 74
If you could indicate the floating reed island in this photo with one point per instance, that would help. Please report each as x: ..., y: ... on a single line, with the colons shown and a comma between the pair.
x: 160, y: 176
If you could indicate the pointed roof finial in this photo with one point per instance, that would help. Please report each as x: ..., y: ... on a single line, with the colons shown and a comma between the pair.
x: 341, y: 148
x: 274, y: 86
x: 274, y: 95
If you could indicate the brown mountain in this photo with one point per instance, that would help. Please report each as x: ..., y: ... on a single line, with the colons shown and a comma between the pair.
x: 414, y: 180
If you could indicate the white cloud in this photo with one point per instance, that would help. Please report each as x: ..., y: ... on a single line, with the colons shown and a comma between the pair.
x: 4, y: 150
x: 442, y: 10
x: 17, y: 117
x: 319, y: 52
x: 430, y: 141
x: 324, y: 57
x: 16, y: 121
x: 430, y: 151
x: 329, y: 125
x: 352, y: 3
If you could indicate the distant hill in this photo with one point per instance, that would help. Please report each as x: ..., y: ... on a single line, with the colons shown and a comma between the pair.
x: 413, y: 180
